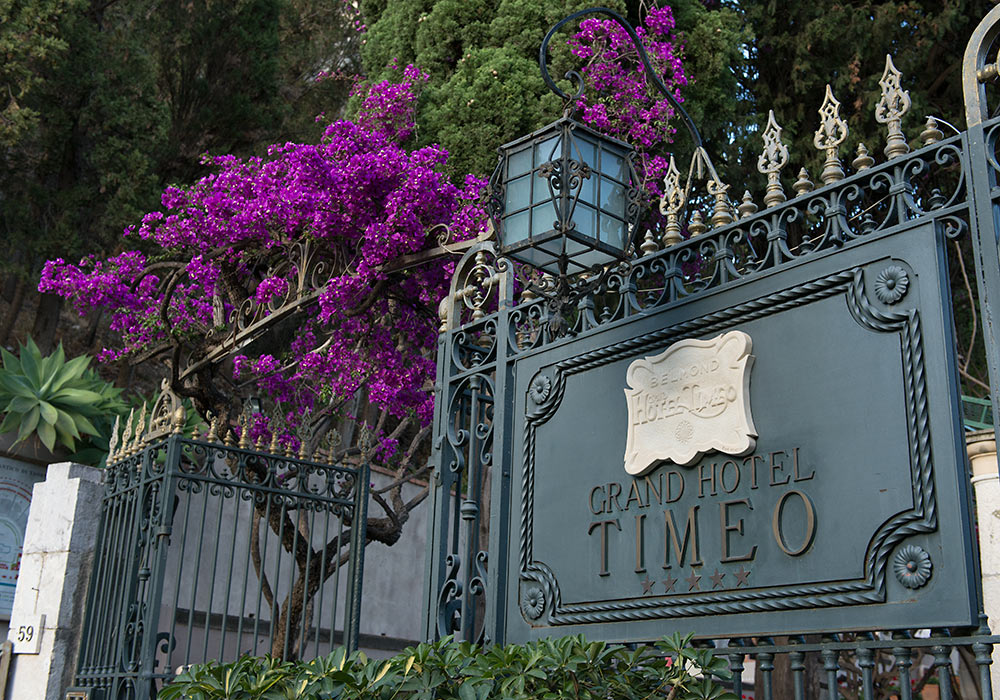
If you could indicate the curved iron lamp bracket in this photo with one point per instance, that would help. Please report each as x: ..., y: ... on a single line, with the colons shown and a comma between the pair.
x: 700, y: 160
x: 575, y: 77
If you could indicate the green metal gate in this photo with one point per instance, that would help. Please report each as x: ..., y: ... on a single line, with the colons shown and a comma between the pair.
x: 209, y: 551
x: 849, y: 247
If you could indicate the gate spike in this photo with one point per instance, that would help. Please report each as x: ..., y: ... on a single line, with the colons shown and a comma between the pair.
x: 931, y: 133
x: 179, y: 419
x: 803, y: 184
x: 113, y: 442
x: 244, y: 431
x: 771, y: 162
x: 747, y: 206
x: 127, y: 434
x: 671, y: 204
x: 831, y: 133
x: 697, y: 225
x: 140, y: 429
x: 722, y: 211
x: 648, y: 245
x: 863, y: 160
x: 890, y: 109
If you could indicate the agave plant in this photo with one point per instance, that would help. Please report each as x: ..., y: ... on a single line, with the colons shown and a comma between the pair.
x: 54, y: 398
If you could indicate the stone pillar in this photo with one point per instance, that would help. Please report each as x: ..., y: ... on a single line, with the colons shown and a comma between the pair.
x: 982, y: 450
x: 55, y: 569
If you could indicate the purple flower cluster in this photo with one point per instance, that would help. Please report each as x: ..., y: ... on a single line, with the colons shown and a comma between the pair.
x: 360, y: 198
x: 621, y: 101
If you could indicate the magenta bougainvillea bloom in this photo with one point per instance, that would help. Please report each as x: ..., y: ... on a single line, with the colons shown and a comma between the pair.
x: 620, y: 100
x: 363, y: 200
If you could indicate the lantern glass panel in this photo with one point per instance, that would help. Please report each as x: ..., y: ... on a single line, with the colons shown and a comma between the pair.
x: 547, y: 150
x: 587, y: 152
x: 588, y: 191
x: 585, y: 218
x: 519, y: 163
x: 518, y: 194
x: 613, y: 231
x: 540, y: 189
x: 613, y: 165
x: 516, y: 228
x: 612, y: 197
x: 542, y: 217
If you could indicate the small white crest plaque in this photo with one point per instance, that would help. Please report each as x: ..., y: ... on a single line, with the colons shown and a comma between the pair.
x: 692, y: 398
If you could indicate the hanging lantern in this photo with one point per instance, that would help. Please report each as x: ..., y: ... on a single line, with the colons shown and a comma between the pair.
x: 565, y: 199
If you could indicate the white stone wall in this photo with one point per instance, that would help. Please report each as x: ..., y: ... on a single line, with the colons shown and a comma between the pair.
x: 55, y: 566
x: 982, y: 451
x: 58, y: 550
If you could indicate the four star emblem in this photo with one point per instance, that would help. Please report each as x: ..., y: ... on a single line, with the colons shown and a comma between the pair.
x: 694, y: 581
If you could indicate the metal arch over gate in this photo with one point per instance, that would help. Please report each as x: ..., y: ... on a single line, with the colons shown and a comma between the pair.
x: 845, y: 511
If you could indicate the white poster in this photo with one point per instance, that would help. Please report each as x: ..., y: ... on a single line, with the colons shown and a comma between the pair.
x: 16, y: 480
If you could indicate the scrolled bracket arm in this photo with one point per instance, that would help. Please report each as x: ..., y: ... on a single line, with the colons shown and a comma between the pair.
x: 576, y: 78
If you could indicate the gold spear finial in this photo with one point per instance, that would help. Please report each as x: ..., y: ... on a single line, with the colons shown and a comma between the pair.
x: 831, y: 133
x: 890, y: 109
x: 773, y: 159
x: 671, y: 204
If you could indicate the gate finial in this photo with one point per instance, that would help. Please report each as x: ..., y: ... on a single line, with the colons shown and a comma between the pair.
x: 863, y: 161
x: 831, y: 133
x: 891, y: 108
x: 771, y: 162
x: 722, y: 214
x: 931, y: 133
x: 113, y: 442
x: 671, y: 204
x: 803, y: 184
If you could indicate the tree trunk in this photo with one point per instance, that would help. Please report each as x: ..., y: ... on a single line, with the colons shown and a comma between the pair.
x: 95, y: 324
x: 16, y: 302
x: 46, y: 322
x: 10, y: 283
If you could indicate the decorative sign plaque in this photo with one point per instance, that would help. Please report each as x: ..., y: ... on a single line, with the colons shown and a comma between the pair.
x: 692, y: 398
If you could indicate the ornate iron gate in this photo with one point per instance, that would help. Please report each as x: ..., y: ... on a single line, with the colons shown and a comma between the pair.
x: 515, y: 424
x: 210, y: 550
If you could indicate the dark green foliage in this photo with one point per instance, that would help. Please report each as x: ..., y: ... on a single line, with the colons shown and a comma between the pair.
x: 29, y: 41
x: 800, y: 47
x: 482, y: 56
x: 128, y: 96
x: 550, y: 669
x: 57, y: 400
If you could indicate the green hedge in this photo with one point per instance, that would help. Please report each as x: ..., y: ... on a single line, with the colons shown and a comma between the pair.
x: 549, y: 669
